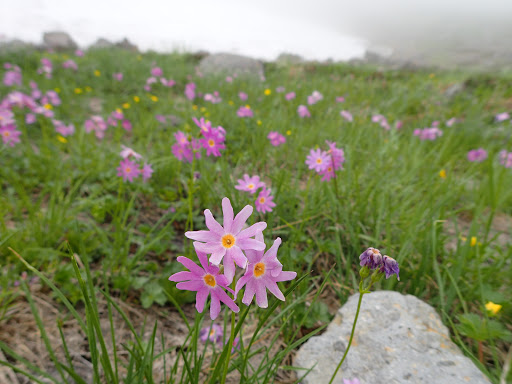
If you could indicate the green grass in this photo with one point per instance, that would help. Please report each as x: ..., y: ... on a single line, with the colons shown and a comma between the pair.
x: 62, y: 198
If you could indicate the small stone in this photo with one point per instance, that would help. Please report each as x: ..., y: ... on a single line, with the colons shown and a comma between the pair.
x: 58, y: 41
x: 229, y: 64
x: 398, y: 339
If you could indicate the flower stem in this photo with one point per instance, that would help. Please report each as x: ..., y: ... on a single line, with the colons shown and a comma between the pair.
x: 230, y: 347
x: 351, y: 335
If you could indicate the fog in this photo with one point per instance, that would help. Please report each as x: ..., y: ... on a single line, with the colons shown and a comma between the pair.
x: 320, y: 29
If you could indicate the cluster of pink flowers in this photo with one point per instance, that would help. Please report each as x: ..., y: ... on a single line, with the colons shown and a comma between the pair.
x: 156, y: 76
x: 506, y: 159
x: 213, y: 98
x: 347, y: 116
x: 243, y: 96
x: 428, y: 133
x: 264, y: 202
x: 245, y: 111
x: 280, y: 89
x: 97, y: 124
x: 212, y: 140
x: 450, y: 122
x: 13, y: 75
x: 290, y: 96
x: 502, y: 117
x: 303, y: 111
x: 70, y: 64
x: 477, y: 155
x: 129, y: 169
x: 190, y: 91
x: 383, y: 122
x: 233, y: 246
x: 46, y: 68
x: 118, y: 116
x: 63, y: 129
x: 276, y: 139
x: 315, y: 97
x: 8, y: 132
x: 326, y: 163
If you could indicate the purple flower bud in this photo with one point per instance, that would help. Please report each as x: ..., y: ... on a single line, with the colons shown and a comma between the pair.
x: 390, y: 267
x: 371, y: 258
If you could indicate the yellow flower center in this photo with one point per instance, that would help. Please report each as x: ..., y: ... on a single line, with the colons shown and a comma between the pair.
x: 228, y: 241
x: 262, y: 200
x: 7, y: 134
x: 250, y: 186
x: 211, y: 143
x: 319, y: 161
x: 259, y: 269
x: 128, y: 169
x: 210, y: 280
x: 212, y: 332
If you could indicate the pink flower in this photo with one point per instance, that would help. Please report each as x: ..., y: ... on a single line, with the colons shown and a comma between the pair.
x: 264, y: 201
x: 276, y: 139
x: 428, y: 133
x: 264, y: 271
x: 118, y: 76
x: 63, y: 129
x: 353, y: 381
x: 213, y: 98
x: 340, y: 99
x: 10, y: 135
x: 30, y: 118
x: 249, y: 184
x: 13, y: 77
x: 452, y: 121
x: 206, y: 281
x: 315, y: 97
x: 70, y: 64
x: 79, y: 53
x: 127, y: 152
x: 280, y: 89
x: 245, y: 112
x: 501, y: 117
x: 128, y: 170
x: 6, y: 116
x: 127, y: 125
x: 51, y: 97
x: 146, y: 172
x: 213, y: 333
x: 229, y: 79
x: 303, y: 111
x: 506, y: 159
x: 317, y: 160
x: 347, y: 115
x: 46, y: 68
x: 229, y: 241
x: 477, y: 155
x: 290, y: 96
x: 213, y: 142
x: 243, y: 96
x: 190, y: 91
x: 167, y: 83
x: 96, y: 124
x: 156, y: 72
x: 399, y: 124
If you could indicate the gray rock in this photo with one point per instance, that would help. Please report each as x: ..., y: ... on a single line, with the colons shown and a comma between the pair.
x: 398, y: 339
x: 128, y: 45
x: 454, y: 90
x: 229, y: 64
x: 289, y: 58
x: 58, y: 41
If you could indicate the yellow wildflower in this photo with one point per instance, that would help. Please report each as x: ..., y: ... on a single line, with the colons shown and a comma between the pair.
x: 288, y: 132
x: 493, y: 308
x: 118, y: 110
x: 97, y: 73
x: 473, y: 241
x: 57, y: 90
x: 78, y: 91
x: 62, y: 139
x: 136, y: 99
x: 230, y: 102
x: 202, y: 109
x: 432, y: 75
x: 442, y: 174
x: 207, y: 114
x: 88, y: 89
x: 194, y: 107
x: 247, y: 106
x: 126, y: 105
x: 48, y: 106
x: 259, y: 122
x: 154, y: 98
x: 267, y: 92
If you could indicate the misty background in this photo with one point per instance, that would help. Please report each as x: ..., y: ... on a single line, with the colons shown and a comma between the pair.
x: 452, y: 31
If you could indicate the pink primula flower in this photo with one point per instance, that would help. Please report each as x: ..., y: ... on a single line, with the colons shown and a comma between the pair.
x: 227, y: 242
x: 190, y: 91
x: 347, y: 115
x: 128, y: 170
x: 245, y: 111
x: 315, y: 97
x: 70, y: 64
x: 127, y: 152
x: 264, y: 202
x: 249, y: 184
x: 477, y: 155
x: 502, y: 117
x: 63, y: 129
x: 506, y: 159
x: 276, y: 138
x: 317, y: 160
x: 303, y: 111
x: 264, y: 271
x: 96, y: 124
x: 118, y: 76
x: 206, y: 281
x: 243, y: 96
x: 156, y: 72
x: 290, y: 96
x: 10, y: 135
x: 146, y: 172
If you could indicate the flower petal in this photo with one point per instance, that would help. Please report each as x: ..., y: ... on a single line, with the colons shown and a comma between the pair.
x: 241, y: 218
x: 203, y: 259
x: 213, y: 224
x: 261, y: 294
x: 243, y: 281
x: 204, y: 236
x: 194, y: 285
x: 192, y: 267
x: 222, y: 296
x: 229, y: 268
x: 182, y: 276
x: 250, y: 244
x: 238, y: 256
x: 217, y: 254
x: 253, y: 230
x: 250, y: 289
x: 214, y: 307
x: 201, y: 297
x: 274, y: 289
x: 285, y: 276
x: 227, y: 211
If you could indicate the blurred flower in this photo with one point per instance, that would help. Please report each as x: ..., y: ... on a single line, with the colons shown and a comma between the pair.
x: 70, y: 64
x: 501, y: 117
x: 243, y: 96
x: 63, y: 129
x: 290, y: 96
x: 156, y: 71
x: 267, y: 91
x: 79, y: 53
x: 347, y: 115
x: 506, y: 159
x: 442, y: 174
x: 213, y: 334
x: 136, y: 99
x: 153, y: 98
x: 493, y: 308
x: 353, y: 381
x: 146, y: 172
x: 97, y: 73
x: 249, y: 184
x: 126, y: 105
x: 303, y: 111
x: 128, y: 170
x: 190, y: 91
x: 264, y: 202
x: 340, y: 99
x: 245, y: 111
x: 276, y: 139
x: 13, y: 77
x: 477, y: 155
x: 280, y: 89
x: 127, y: 152
x: 428, y: 133
x: 63, y: 140
x: 473, y: 241
x: 10, y: 135
x: 315, y: 97
x: 118, y: 76
x: 78, y: 91
x: 96, y: 124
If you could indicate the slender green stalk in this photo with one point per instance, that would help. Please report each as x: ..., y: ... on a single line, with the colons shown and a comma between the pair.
x: 361, y: 293
x: 230, y: 347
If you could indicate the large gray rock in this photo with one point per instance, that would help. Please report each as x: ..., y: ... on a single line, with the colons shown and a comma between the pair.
x: 398, y: 339
x: 102, y: 43
x: 58, y: 41
x: 229, y: 64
